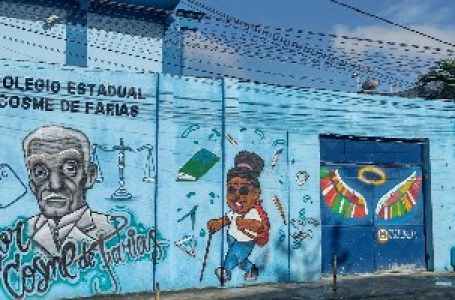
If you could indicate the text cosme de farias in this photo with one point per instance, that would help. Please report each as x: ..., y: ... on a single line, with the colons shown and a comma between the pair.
x: 26, y: 272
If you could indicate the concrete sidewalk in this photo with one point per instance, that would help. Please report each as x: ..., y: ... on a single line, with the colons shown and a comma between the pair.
x: 421, y: 285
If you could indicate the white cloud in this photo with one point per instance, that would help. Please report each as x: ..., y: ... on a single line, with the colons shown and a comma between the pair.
x: 407, y: 62
x: 416, y: 11
x: 394, y: 34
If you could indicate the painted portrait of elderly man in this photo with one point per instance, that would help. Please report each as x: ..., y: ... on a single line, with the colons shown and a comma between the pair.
x: 60, y: 173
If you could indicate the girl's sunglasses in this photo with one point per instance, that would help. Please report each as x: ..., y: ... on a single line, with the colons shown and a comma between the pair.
x: 243, y: 190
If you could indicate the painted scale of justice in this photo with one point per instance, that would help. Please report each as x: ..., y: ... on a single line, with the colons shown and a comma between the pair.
x: 121, y: 193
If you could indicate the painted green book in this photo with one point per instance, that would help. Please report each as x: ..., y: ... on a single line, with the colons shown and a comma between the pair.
x: 199, y: 164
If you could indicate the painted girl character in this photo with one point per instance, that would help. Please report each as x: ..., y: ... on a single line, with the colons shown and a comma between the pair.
x: 247, y: 221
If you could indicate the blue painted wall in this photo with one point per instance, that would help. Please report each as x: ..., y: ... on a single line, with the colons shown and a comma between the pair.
x: 178, y: 118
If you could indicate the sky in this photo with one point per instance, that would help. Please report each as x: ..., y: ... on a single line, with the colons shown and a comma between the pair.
x: 326, y: 62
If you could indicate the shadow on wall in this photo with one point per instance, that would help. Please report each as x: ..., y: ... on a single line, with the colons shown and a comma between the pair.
x: 311, y: 251
x: 342, y: 256
x: 282, y: 274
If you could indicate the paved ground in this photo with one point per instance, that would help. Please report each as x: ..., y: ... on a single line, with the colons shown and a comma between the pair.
x: 422, y: 285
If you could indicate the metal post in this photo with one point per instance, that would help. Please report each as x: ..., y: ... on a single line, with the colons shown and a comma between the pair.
x: 157, y: 291
x: 334, y: 266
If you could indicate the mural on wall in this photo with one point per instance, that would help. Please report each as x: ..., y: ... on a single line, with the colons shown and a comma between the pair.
x: 67, y: 241
x: 199, y: 164
x: 121, y: 193
x: 194, y: 169
x: 302, y: 226
x: 341, y: 198
x: 247, y: 221
x: 231, y: 139
x: 11, y: 186
x: 349, y: 203
x: 301, y: 177
x: 280, y: 208
x: 379, y: 179
x: 302, y: 229
x: 234, y: 252
x: 57, y: 160
x: 400, y: 199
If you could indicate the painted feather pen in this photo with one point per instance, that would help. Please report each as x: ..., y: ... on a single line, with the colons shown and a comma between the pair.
x: 278, y: 205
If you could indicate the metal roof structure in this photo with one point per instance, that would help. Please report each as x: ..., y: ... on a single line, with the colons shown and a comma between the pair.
x: 160, y: 4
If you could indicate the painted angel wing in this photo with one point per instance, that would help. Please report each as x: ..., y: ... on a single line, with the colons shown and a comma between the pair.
x: 401, y: 199
x: 341, y: 198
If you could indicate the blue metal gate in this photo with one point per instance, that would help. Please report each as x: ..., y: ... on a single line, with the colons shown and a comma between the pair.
x: 372, y: 204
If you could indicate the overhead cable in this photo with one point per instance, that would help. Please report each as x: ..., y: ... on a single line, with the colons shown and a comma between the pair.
x: 392, y: 23
x: 227, y: 19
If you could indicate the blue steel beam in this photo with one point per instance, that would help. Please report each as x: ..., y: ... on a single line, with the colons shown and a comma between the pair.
x: 76, y: 35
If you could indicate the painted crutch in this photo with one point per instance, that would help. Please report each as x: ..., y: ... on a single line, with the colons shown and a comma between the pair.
x: 205, y: 256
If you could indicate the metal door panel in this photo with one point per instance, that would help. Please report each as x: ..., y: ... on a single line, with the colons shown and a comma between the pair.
x: 337, y: 191
x: 400, y: 200
x: 353, y: 247
x: 382, y: 152
x: 400, y: 247
x: 388, y: 175
x: 332, y: 150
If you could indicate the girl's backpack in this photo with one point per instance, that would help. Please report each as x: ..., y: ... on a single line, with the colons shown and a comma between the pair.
x: 262, y: 238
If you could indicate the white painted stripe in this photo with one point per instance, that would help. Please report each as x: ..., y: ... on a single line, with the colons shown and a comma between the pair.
x: 411, y: 198
x: 341, y: 206
x: 327, y: 189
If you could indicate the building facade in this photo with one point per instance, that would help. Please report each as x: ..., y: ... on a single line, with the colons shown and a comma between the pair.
x: 117, y: 177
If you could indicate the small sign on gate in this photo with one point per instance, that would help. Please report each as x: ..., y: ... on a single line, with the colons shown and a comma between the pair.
x: 383, y: 236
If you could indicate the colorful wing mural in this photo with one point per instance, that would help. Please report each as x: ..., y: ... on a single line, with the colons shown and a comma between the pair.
x: 401, y: 199
x: 341, y: 198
